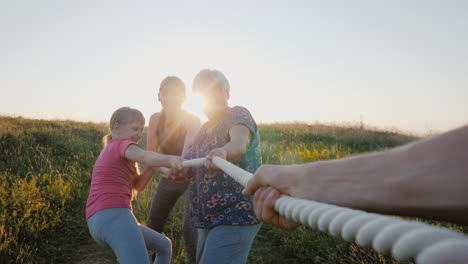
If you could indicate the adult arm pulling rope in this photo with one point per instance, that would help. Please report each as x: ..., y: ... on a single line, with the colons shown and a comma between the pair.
x: 404, y: 239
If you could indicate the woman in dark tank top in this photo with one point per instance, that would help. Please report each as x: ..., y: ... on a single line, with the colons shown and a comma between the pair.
x: 171, y: 132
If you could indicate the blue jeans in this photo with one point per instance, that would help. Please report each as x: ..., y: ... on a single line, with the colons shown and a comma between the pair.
x: 164, y: 199
x: 225, y: 243
x: 118, y: 228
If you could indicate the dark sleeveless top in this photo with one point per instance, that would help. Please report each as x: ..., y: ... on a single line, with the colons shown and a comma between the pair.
x: 171, y: 140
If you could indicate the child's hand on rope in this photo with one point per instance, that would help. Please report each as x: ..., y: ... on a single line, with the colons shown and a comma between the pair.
x: 165, y: 172
x: 176, y: 169
x: 217, y: 152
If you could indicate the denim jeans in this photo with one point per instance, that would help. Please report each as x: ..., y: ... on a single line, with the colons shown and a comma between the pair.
x: 118, y: 228
x: 166, y: 195
x: 225, y: 243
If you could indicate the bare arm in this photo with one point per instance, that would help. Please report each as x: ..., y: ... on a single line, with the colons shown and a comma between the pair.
x: 143, y: 179
x: 234, y: 150
x: 152, y: 143
x: 153, y: 159
x: 149, y: 158
x: 427, y: 178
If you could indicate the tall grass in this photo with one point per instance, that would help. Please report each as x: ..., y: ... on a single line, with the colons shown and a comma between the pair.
x: 45, y: 172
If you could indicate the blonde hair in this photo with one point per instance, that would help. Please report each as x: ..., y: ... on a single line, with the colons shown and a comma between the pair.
x: 207, y: 80
x: 176, y: 81
x: 122, y: 115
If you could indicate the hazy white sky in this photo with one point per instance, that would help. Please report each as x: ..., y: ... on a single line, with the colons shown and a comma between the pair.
x: 392, y: 64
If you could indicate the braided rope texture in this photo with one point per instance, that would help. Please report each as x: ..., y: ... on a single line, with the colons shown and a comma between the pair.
x: 405, y: 240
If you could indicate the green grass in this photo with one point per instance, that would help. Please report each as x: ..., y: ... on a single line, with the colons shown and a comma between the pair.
x: 45, y: 169
x: 45, y: 172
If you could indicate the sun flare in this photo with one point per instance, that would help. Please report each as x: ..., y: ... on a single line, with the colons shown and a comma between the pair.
x: 194, y: 104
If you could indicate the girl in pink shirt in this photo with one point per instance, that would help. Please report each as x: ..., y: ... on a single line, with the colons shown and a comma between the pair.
x: 115, y: 178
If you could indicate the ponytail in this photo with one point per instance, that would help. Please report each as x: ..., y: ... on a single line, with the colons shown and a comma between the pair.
x: 106, y: 139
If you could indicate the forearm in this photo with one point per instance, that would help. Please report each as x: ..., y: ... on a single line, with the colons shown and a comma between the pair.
x: 234, y: 151
x: 359, y: 182
x: 239, y: 143
x: 155, y: 159
x: 434, y: 177
x: 427, y: 178
x: 142, y: 180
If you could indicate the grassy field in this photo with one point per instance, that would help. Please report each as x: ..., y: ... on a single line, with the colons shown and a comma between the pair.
x: 45, y: 169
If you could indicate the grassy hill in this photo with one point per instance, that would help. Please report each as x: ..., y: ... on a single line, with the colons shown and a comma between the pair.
x: 45, y: 169
x: 45, y: 172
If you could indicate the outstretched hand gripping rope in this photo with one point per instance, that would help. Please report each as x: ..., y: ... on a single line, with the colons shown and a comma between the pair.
x: 405, y: 240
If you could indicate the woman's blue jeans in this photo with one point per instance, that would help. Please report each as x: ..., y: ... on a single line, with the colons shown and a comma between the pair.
x: 225, y: 243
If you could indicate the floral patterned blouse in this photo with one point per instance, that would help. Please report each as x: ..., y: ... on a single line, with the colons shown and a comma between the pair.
x: 216, y: 197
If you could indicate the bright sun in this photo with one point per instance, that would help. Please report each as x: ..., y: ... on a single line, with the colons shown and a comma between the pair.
x: 194, y: 104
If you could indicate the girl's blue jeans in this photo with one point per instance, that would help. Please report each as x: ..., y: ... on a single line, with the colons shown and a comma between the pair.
x: 118, y: 228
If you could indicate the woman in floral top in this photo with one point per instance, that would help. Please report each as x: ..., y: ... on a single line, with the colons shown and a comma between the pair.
x: 224, y: 218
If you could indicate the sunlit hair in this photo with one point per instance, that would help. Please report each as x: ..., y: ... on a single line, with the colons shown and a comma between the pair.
x: 175, y: 82
x: 123, y: 115
x: 209, y: 80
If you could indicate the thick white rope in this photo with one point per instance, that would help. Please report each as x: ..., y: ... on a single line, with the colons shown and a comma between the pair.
x: 405, y: 240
